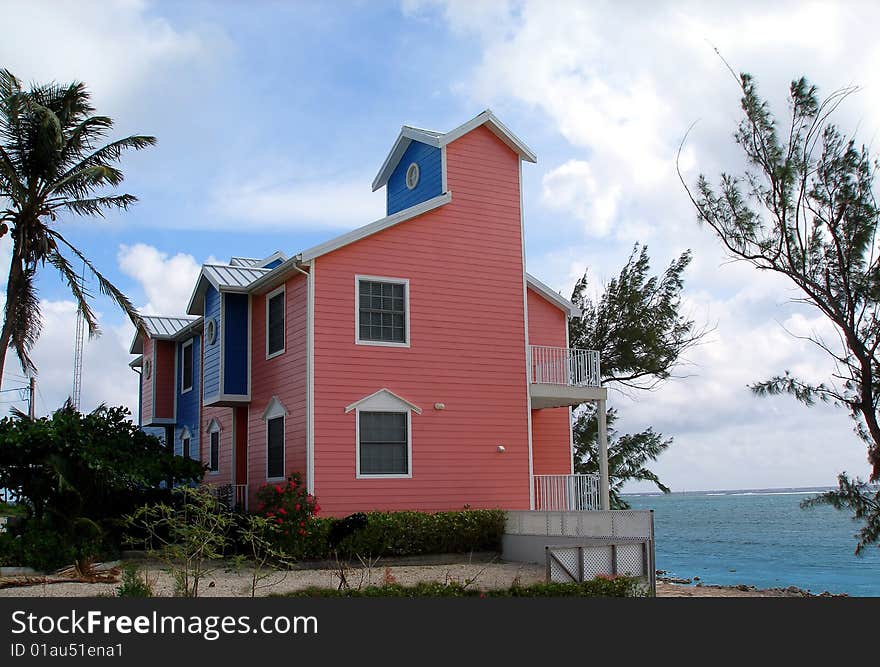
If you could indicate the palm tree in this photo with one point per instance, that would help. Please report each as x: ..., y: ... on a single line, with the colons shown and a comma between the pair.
x: 49, y: 166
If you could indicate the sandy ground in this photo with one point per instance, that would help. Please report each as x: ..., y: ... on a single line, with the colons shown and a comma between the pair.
x: 226, y: 583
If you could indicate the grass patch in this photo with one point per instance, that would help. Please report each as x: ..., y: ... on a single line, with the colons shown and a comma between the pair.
x: 9, y: 509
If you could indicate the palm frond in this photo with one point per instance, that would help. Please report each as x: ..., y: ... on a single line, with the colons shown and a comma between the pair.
x: 80, y: 294
x: 107, y: 288
x: 97, y: 205
x: 23, y: 315
x: 109, y: 153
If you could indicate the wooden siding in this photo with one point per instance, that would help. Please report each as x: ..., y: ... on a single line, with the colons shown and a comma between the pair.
x: 224, y: 418
x: 430, y: 184
x: 211, y: 376
x: 467, y: 347
x: 163, y: 367
x: 146, y: 383
x: 235, y: 344
x: 188, y: 403
x: 283, y: 376
x: 551, y: 428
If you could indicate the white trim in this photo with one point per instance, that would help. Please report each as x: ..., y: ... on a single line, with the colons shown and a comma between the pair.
x: 192, y: 380
x: 283, y: 417
x: 210, y: 453
x: 274, y: 408
x: 498, y: 128
x: 214, y: 426
x: 211, y: 337
x: 409, y: 134
x: 283, y: 292
x: 221, y: 388
x: 522, y: 243
x: 271, y: 258
x: 357, y: 450
x: 218, y: 399
x: 310, y: 392
x: 444, y: 182
x: 250, y: 330
x: 367, y: 230
x: 412, y: 183
x: 357, y: 310
x: 570, y: 429
x: 383, y: 400
x: 552, y: 296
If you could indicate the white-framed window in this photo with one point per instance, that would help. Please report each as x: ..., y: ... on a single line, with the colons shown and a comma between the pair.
x: 186, y: 366
x: 275, y: 323
x: 381, y: 311
x: 214, y: 446
x: 383, y: 435
x: 275, y: 415
x: 211, y: 331
x: 148, y: 368
x: 185, y: 440
x: 412, y: 176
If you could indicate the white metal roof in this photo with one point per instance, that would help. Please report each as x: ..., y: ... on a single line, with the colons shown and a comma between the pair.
x: 162, y: 328
x: 224, y: 278
x: 439, y: 140
x: 244, y: 261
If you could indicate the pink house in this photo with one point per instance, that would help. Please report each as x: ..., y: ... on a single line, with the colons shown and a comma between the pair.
x: 411, y: 363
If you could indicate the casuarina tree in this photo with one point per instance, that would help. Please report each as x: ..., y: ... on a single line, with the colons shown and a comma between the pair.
x: 804, y: 208
x: 641, y: 332
x: 52, y: 165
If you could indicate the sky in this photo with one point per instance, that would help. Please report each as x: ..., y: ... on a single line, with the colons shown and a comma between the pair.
x: 272, y: 119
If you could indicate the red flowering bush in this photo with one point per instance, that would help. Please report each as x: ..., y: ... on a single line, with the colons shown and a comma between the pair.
x: 289, y: 505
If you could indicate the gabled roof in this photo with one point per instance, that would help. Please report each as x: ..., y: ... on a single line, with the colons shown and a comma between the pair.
x: 553, y: 297
x: 224, y: 278
x: 409, y: 134
x: 161, y: 327
x: 253, y: 262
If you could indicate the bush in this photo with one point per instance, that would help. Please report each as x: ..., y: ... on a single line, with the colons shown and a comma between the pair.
x: 133, y: 584
x: 618, y: 587
x: 40, y: 545
x: 402, y: 534
x: 289, y: 505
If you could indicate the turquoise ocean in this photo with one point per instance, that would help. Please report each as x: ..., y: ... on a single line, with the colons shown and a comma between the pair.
x: 761, y: 538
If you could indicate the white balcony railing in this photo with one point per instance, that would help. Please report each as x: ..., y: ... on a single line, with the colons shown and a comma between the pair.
x: 566, y: 493
x: 564, y: 365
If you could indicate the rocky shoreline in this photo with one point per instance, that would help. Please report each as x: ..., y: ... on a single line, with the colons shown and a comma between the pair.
x: 694, y: 587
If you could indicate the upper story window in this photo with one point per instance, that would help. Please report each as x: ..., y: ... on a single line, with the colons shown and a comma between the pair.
x: 186, y: 367
x: 275, y: 322
x: 412, y: 176
x: 382, y: 311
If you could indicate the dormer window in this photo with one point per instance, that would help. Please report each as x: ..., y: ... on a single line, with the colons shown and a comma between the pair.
x: 412, y: 176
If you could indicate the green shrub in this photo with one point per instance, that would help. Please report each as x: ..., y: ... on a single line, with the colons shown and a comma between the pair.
x: 289, y: 505
x: 10, y: 550
x: 618, y: 587
x: 133, y: 583
x: 403, y: 534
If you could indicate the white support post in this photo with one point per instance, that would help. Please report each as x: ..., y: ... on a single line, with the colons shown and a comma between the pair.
x: 604, y: 495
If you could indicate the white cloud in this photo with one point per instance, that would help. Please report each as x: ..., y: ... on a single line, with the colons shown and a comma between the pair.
x: 118, y: 45
x: 168, y: 282
x: 621, y: 84
x: 572, y: 187
x: 301, y: 203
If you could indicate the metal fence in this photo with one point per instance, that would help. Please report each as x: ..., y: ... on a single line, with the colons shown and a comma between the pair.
x: 566, y: 493
x: 564, y: 365
x: 595, y: 557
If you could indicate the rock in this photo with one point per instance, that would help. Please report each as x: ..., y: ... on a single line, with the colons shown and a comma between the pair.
x: 659, y: 573
x: 696, y: 578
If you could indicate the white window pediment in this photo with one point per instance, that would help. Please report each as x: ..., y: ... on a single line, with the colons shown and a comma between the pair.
x: 274, y: 409
x: 213, y: 426
x: 383, y: 401
x: 185, y: 434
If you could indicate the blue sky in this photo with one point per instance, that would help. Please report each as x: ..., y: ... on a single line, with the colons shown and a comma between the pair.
x: 273, y: 118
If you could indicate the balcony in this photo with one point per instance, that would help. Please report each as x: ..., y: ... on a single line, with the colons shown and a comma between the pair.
x: 563, y: 376
x: 566, y: 493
